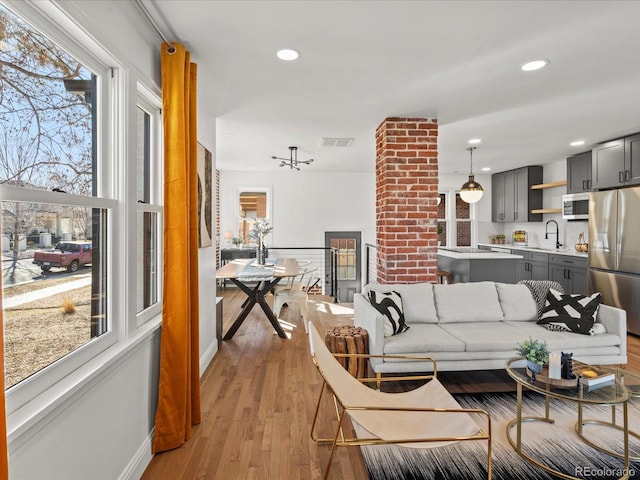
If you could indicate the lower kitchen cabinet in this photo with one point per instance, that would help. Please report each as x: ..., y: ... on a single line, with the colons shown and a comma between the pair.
x: 570, y: 272
x: 533, y: 266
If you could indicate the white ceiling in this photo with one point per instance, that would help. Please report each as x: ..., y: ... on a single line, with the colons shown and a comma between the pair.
x: 457, y: 61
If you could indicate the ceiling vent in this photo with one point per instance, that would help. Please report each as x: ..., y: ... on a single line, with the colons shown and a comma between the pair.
x: 336, y: 142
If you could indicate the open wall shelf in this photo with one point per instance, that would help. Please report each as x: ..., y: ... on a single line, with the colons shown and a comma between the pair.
x: 561, y: 183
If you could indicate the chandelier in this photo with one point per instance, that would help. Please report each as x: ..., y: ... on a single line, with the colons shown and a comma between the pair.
x: 292, y: 162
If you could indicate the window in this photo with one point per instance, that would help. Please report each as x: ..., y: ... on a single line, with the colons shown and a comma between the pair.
x: 148, y: 210
x: 253, y: 203
x: 457, y: 220
x: 57, y: 208
x: 463, y: 222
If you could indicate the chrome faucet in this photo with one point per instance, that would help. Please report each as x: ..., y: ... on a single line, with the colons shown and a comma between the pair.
x: 557, y: 233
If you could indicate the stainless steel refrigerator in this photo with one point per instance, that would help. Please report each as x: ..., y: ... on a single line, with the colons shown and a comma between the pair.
x: 614, y: 250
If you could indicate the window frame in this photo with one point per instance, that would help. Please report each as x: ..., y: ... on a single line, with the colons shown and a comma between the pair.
x: 152, y: 105
x: 110, y: 135
x: 451, y: 221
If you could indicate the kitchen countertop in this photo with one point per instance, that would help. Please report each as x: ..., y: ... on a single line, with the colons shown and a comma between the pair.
x: 470, y: 253
x: 562, y: 251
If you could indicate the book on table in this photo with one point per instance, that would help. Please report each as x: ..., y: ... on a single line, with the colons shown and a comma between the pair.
x: 590, y: 377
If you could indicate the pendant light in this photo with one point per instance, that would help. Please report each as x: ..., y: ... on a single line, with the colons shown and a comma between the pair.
x: 471, y: 191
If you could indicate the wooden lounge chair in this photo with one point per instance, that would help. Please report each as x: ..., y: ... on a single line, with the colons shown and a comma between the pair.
x: 426, y: 417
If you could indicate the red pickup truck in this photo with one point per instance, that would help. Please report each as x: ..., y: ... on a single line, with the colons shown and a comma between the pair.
x: 70, y: 255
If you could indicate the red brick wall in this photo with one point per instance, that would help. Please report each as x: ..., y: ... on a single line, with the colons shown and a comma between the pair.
x: 406, y: 200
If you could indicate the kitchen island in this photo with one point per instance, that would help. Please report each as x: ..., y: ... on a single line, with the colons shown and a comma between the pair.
x: 468, y: 264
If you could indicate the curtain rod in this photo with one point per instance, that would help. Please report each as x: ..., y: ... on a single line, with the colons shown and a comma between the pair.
x: 170, y: 48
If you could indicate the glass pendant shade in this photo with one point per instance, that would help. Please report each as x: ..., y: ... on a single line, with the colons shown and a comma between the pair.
x: 471, y: 191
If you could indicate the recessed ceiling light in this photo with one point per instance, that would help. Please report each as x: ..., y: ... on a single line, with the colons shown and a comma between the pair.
x: 577, y: 143
x: 534, y: 65
x: 486, y: 169
x: 475, y: 141
x: 288, y: 54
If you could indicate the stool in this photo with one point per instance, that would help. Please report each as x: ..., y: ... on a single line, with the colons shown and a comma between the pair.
x: 442, y: 274
x: 349, y: 339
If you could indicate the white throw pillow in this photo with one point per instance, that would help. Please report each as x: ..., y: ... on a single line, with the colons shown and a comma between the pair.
x: 389, y: 304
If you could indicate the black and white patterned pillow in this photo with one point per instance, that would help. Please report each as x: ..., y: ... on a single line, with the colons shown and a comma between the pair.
x: 389, y: 304
x: 571, y: 312
x: 539, y: 290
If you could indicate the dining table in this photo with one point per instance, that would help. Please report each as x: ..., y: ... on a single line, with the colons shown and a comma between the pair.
x: 257, y: 281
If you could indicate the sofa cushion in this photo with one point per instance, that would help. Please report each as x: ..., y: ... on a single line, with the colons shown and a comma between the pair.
x: 422, y: 338
x: 517, y: 302
x: 486, y: 336
x: 574, y: 312
x: 565, y: 341
x: 389, y: 304
x: 417, y: 300
x: 467, y: 302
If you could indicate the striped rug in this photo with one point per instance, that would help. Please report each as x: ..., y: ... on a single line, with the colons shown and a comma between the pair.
x: 556, y: 445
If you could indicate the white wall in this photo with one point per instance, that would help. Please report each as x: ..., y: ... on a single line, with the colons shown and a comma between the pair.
x: 99, y: 424
x: 304, y: 204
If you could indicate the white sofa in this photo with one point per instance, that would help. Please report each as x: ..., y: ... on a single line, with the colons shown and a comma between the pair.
x: 476, y: 326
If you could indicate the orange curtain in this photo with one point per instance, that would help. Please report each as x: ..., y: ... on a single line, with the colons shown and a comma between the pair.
x: 179, y: 385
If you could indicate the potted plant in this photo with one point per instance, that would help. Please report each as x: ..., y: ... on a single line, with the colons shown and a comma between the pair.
x: 439, y: 230
x: 535, y: 352
x: 237, y: 241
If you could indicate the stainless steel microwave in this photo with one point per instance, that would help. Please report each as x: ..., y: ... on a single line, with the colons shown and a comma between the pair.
x: 575, y: 206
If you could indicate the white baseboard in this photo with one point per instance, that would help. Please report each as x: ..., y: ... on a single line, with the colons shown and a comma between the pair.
x: 207, y: 356
x: 140, y: 460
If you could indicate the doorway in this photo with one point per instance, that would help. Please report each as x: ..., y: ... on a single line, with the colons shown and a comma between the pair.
x: 349, y: 263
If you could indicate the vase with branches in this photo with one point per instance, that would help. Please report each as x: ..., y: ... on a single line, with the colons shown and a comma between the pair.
x: 260, y: 229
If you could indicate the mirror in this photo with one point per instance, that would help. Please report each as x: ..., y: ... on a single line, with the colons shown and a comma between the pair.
x: 252, y: 203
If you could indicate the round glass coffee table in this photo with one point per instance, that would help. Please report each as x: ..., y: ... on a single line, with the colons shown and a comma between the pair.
x: 613, y: 394
x: 632, y: 383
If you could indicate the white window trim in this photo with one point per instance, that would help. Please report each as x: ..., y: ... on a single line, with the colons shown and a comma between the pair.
x: 152, y: 105
x: 48, y: 386
x: 450, y: 218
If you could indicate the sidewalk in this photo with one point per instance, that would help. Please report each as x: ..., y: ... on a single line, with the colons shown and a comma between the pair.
x: 45, y: 292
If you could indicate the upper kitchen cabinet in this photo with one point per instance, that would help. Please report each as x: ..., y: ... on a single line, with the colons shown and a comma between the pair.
x: 512, y: 197
x: 616, y: 163
x: 579, y: 173
x: 632, y: 159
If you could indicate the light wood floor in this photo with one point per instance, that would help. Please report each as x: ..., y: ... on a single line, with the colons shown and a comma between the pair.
x: 258, y: 400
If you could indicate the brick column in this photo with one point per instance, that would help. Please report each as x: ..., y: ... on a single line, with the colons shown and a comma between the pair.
x: 406, y: 200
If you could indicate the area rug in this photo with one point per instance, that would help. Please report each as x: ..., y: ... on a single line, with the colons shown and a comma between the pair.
x: 556, y: 445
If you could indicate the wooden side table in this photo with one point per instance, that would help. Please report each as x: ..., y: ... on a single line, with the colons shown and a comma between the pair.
x: 349, y: 339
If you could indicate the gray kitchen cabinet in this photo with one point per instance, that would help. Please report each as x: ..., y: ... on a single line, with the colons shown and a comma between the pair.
x: 512, y: 198
x: 632, y: 159
x: 533, y: 265
x: 497, y: 197
x: 616, y: 163
x: 570, y: 272
x: 579, y: 173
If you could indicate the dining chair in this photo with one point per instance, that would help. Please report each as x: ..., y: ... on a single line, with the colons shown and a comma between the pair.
x: 293, y: 282
x: 297, y: 292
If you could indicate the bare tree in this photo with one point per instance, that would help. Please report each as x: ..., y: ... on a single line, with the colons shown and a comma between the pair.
x: 45, y: 129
